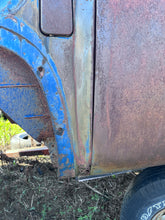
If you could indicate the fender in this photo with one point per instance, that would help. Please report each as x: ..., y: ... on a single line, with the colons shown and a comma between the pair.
x: 27, y: 45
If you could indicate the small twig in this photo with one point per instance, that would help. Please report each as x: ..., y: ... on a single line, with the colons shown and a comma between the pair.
x: 94, y: 210
x: 25, y: 205
x: 80, y: 199
x: 95, y: 190
x: 6, y: 210
x: 32, y: 200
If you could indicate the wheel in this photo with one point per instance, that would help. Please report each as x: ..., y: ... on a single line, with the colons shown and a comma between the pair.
x: 145, y: 199
x: 22, y: 140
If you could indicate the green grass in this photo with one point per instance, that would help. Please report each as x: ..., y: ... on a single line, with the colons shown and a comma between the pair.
x: 8, y: 130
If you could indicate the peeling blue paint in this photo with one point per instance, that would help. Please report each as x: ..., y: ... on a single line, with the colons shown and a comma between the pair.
x: 87, y: 145
x: 26, y: 44
x: 11, y: 6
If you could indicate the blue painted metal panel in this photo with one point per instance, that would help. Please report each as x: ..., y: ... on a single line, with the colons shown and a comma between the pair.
x: 67, y: 79
x: 28, y: 46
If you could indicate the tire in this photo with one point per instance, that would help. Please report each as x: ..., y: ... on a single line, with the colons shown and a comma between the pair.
x: 23, y: 140
x: 145, y: 199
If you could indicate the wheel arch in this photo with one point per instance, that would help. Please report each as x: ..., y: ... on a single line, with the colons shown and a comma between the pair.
x: 19, y: 39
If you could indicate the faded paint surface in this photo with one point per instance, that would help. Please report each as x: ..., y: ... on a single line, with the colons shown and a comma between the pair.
x: 56, y: 18
x: 129, y: 98
x: 16, y: 36
x: 74, y: 60
x: 63, y: 68
x: 20, y: 93
x: 129, y: 115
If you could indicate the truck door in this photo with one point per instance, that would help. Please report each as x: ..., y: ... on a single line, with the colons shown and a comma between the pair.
x: 129, y: 99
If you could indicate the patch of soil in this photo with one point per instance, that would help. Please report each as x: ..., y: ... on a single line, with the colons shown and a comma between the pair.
x: 31, y: 190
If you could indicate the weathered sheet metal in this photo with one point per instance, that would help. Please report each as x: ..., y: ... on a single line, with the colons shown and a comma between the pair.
x: 28, y: 45
x: 26, y: 152
x: 82, y: 64
x: 63, y: 68
x: 129, y: 99
x: 74, y: 60
x: 129, y: 118
x: 22, y: 98
x: 56, y: 17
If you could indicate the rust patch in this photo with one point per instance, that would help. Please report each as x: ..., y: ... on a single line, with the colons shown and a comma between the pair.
x: 69, y: 173
x: 83, y: 171
x: 18, y: 77
x: 26, y: 152
x: 129, y: 119
x: 41, y: 71
x: 12, y: 17
x: 60, y: 131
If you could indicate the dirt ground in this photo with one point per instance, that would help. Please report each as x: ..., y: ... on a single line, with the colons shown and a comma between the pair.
x: 30, y: 190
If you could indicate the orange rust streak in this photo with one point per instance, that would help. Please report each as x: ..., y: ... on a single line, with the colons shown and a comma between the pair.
x: 80, y: 158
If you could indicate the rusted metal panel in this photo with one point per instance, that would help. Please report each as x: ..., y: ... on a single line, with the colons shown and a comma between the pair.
x: 23, y: 100
x: 74, y: 60
x: 129, y: 113
x: 27, y: 152
x: 56, y: 17
x: 83, y: 61
x: 66, y: 78
x: 28, y: 45
x: 20, y: 99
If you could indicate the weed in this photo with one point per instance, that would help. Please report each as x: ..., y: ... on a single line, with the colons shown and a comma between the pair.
x: 49, y: 209
x: 85, y: 217
x: 79, y: 210
x: 95, y: 197
x: 7, y: 130
x: 46, y: 197
x: 43, y: 212
x: 32, y: 209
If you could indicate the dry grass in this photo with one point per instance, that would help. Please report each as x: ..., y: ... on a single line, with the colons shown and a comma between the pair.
x: 31, y: 190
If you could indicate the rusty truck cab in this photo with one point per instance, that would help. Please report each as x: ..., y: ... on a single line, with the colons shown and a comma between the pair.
x: 88, y: 79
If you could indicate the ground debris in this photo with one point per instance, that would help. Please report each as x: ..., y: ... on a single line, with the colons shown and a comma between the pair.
x: 30, y: 190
